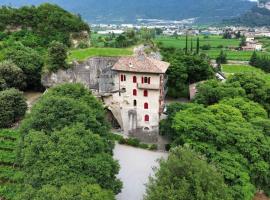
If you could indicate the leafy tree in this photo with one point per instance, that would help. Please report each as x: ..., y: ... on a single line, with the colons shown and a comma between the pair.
x: 186, y: 175
x: 3, y: 84
x: 30, y: 61
x: 227, y: 138
x: 57, y: 55
x: 72, y: 155
x: 79, y: 191
x: 253, y: 59
x: 12, y: 107
x: 212, y: 91
x: 184, y: 70
x: 12, y: 75
x: 222, y: 58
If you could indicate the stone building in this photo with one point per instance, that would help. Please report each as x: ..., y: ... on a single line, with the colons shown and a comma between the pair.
x: 132, y: 88
x: 141, y: 82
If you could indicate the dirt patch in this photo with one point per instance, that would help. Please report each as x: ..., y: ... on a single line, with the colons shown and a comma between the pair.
x: 261, y: 196
x: 32, y: 97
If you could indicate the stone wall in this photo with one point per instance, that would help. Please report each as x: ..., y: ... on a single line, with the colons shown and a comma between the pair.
x: 94, y: 73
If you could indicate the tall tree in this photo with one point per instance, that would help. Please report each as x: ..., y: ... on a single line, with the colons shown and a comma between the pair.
x: 187, y: 175
x: 198, y: 45
x: 186, y: 49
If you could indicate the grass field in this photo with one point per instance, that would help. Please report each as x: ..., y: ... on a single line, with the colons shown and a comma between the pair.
x: 214, y: 42
x: 231, y: 69
x: 83, y: 54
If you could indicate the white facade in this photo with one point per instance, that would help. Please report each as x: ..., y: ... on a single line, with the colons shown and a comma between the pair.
x: 140, y: 103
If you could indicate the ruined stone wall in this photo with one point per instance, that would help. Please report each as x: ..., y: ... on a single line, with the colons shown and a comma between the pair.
x: 94, y: 73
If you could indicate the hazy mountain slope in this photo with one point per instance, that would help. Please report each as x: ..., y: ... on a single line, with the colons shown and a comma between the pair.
x: 259, y: 15
x: 130, y: 10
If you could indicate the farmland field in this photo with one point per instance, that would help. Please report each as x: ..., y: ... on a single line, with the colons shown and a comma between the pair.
x: 216, y: 42
x: 82, y: 54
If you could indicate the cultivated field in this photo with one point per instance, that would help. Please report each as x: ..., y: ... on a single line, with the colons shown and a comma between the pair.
x: 232, y: 69
x: 217, y: 44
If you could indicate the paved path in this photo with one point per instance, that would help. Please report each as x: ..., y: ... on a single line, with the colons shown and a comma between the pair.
x: 136, y: 167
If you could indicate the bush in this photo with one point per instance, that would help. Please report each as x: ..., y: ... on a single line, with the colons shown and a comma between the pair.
x: 206, y: 47
x: 57, y: 55
x: 12, y: 107
x: 13, y: 75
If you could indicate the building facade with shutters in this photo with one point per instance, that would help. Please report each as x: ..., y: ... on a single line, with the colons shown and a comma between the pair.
x: 140, y: 100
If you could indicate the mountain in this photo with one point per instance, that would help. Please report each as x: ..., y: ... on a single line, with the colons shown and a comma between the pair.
x: 259, y: 15
x: 128, y: 11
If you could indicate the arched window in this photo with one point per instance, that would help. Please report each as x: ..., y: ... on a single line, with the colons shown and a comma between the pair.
x: 134, y: 103
x: 145, y: 105
x: 145, y: 93
x: 134, y: 92
x: 134, y: 79
x: 146, y: 118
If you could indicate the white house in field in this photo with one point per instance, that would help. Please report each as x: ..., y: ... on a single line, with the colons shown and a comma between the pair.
x: 141, y: 82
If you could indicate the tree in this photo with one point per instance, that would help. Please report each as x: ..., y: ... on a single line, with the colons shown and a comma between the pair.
x: 12, y: 107
x: 70, y: 156
x: 186, y: 48
x: 3, y: 84
x: 253, y: 59
x: 57, y: 55
x: 222, y: 58
x: 212, y: 91
x: 243, y: 42
x: 12, y: 75
x: 30, y: 61
x: 187, y: 175
x: 198, y: 45
x: 79, y: 191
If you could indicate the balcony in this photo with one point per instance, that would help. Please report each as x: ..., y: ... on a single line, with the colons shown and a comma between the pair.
x: 147, y: 86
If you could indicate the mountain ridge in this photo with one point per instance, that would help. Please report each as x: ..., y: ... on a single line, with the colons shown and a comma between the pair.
x: 128, y: 11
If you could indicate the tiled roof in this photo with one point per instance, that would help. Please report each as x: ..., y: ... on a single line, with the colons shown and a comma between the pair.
x: 141, y: 63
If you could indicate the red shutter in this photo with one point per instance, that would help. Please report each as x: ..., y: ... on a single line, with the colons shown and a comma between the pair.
x: 134, y: 92
x: 145, y: 93
x: 146, y: 118
x: 142, y: 79
x: 145, y: 105
x: 149, y: 80
x: 122, y: 77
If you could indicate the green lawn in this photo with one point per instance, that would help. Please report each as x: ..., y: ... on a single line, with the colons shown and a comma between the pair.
x: 83, y: 54
x: 231, y: 69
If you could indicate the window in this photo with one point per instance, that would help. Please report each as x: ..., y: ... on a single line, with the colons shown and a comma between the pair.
x: 145, y: 105
x: 145, y: 93
x: 134, y: 103
x: 145, y: 80
x: 123, y: 77
x: 134, y: 92
x: 134, y: 79
x: 149, y: 80
x: 146, y: 118
x: 142, y: 80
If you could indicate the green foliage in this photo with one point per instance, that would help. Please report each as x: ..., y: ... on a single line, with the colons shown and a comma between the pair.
x: 212, y: 91
x: 57, y: 55
x: 185, y: 69
x: 12, y: 75
x: 65, y: 105
x: 49, y: 22
x: 30, y: 61
x: 222, y: 58
x: 261, y: 62
x: 228, y: 134
x: 186, y: 175
x: 79, y: 191
x: 12, y: 107
x: 72, y: 155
